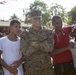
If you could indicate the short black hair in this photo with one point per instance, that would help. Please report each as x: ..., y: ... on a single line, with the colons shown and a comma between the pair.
x: 55, y: 17
x: 14, y: 21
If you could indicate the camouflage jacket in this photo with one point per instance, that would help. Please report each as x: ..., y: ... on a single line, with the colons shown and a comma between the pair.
x: 37, y: 57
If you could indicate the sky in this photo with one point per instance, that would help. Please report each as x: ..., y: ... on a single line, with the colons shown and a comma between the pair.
x: 17, y: 6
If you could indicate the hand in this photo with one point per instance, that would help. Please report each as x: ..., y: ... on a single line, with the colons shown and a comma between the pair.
x: 15, y: 64
x: 35, y: 44
x: 45, y: 41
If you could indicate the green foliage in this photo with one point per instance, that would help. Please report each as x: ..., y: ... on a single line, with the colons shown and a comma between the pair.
x: 46, y: 18
x: 69, y: 21
x: 72, y: 15
x: 14, y: 17
x: 38, y: 5
x: 58, y: 10
x: 46, y: 12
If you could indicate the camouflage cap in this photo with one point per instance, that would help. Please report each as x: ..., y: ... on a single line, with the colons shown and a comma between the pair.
x: 35, y: 14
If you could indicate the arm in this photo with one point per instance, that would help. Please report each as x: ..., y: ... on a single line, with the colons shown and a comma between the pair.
x: 48, y: 45
x: 57, y: 51
x: 10, y: 69
x: 26, y: 48
x: 17, y: 63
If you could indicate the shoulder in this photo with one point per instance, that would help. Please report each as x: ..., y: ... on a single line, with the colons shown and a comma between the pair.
x: 46, y: 29
x: 3, y: 38
x: 25, y: 32
x: 67, y: 27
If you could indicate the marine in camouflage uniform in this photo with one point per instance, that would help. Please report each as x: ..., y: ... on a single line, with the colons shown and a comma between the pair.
x: 37, y: 58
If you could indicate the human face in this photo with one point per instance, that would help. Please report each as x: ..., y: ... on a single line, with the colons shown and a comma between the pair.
x: 57, y: 24
x: 15, y: 29
x: 36, y: 22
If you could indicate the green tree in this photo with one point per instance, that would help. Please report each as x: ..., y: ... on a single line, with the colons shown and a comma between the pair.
x: 14, y: 17
x: 46, y: 12
x: 39, y: 5
x: 56, y: 9
x: 72, y: 16
x: 26, y: 16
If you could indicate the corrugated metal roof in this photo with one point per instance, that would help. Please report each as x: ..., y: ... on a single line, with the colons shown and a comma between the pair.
x: 7, y: 24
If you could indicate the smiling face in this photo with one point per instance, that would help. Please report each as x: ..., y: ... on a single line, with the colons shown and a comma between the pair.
x: 36, y: 22
x: 57, y: 23
x: 36, y: 16
x: 15, y: 28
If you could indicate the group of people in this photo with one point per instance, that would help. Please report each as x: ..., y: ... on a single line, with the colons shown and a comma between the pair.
x: 36, y: 46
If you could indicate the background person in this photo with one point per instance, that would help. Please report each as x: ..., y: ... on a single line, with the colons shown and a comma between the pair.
x: 73, y: 50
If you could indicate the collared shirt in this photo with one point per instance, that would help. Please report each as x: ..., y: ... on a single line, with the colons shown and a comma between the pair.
x: 62, y: 41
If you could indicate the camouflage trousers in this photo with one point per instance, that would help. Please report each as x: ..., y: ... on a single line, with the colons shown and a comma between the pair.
x: 48, y: 71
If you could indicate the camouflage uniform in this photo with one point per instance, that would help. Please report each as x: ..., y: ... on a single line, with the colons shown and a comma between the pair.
x: 37, y: 59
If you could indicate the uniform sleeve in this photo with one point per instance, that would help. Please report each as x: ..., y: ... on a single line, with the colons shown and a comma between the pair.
x: 25, y: 46
x: 49, y: 45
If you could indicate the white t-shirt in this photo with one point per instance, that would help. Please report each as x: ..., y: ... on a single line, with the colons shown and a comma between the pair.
x: 73, y: 51
x: 10, y: 53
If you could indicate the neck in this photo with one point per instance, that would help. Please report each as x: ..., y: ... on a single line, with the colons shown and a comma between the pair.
x: 12, y: 37
x: 59, y: 32
x: 36, y: 27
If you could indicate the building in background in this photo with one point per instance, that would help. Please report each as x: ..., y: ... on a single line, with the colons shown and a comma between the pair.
x: 4, y: 27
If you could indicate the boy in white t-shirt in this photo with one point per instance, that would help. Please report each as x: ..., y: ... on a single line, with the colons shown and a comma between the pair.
x: 73, y: 50
x: 10, y: 51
